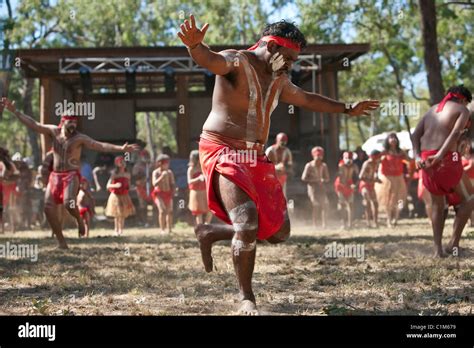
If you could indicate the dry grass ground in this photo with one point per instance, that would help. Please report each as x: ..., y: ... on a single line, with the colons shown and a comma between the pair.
x: 144, y: 273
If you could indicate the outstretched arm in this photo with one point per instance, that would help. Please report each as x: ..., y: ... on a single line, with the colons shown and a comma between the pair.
x: 293, y: 94
x: 217, y: 63
x: 95, y: 145
x: 25, y: 119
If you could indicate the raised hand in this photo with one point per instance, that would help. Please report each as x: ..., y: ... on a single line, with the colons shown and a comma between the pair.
x: 190, y: 35
x: 363, y: 107
x: 130, y: 148
x: 8, y: 104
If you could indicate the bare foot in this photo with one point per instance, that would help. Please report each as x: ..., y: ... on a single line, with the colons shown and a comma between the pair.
x: 452, y: 250
x: 438, y: 254
x: 63, y: 246
x: 82, y: 230
x: 205, y: 245
x: 248, y: 307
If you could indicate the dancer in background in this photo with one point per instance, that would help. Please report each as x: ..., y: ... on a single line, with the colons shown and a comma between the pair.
x: 9, y: 171
x: 119, y: 204
x: 468, y: 164
x: 368, y: 177
x: 8, y: 178
x: 344, y: 187
x: 164, y: 187
x: 316, y: 176
x: 141, y: 174
x: 197, y: 190
x: 86, y: 204
x: 392, y: 190
x: 63, y: 185
x: 281, y: 156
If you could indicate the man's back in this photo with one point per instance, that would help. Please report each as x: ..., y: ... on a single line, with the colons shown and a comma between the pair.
x: 438, y: 125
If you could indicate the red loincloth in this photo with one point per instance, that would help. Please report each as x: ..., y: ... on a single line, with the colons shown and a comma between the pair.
x: 8, y: 190
x: 282, y: 178
x: 85, y: 210
x: 345, y: 189
x: 59, y: 182
x: 366, y: 185
x: 166, y: 196
x: 256, y: 178
x: 442, y: 179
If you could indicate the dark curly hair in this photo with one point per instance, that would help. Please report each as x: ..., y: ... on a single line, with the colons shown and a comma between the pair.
x: 5, y: 158
x: 386, y: 144
x: 287, y: 30
x: 460, y: 89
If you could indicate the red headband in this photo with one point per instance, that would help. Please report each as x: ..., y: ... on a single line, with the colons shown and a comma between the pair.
x: 67, y: 118
x: 317, y: 151
x: 118, y: 160
x: 279, y: 40
x: 449, y: 96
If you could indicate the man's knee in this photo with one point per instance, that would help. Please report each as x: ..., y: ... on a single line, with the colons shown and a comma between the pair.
x: 244, y: 218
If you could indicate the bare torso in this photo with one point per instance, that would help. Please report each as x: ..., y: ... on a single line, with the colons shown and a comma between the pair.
x: 346, y: 172
x: 66, y: 151
x: 167, y: 183
x: 280, y: 156
x: 438, y: 126
x: 368, y: 171
x: 315, y: 174
x: 244, y: 99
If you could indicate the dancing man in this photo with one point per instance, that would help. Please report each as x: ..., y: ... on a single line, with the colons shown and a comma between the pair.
x: 242, y: 190
x: 435, y: 145
x: 63, y: 185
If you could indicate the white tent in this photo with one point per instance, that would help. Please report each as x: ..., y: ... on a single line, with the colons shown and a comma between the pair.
x: 376, y: 142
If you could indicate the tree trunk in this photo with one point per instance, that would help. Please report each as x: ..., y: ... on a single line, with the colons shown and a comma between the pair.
x: 149, y: 138
x: 346, y: 130
x: 373, y: 125
x: 27, y: 96
x: 361, y: 131
x: 432, y: 62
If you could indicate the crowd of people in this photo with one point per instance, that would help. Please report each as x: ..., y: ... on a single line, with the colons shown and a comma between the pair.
x: 22, y: 191
x: 380, y: 179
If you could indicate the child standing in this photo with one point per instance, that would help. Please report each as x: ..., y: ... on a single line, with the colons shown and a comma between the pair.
x: 344, y: 187
x: 197, y: 190
x: 316, y: 175
x: 119, y: 204
x: 368, y: 177
x: 86, y: 204
x: 164, y: 186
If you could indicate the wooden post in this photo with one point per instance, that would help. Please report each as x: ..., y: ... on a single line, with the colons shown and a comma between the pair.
x: 183, y: 119
x: 333, y: 153
x: 46, y: 111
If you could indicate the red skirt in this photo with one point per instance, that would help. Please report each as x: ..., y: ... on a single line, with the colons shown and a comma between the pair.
x: 85, y: 210
x: 442, y: 179
x: 258, y: 180
x: 8, y: 190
